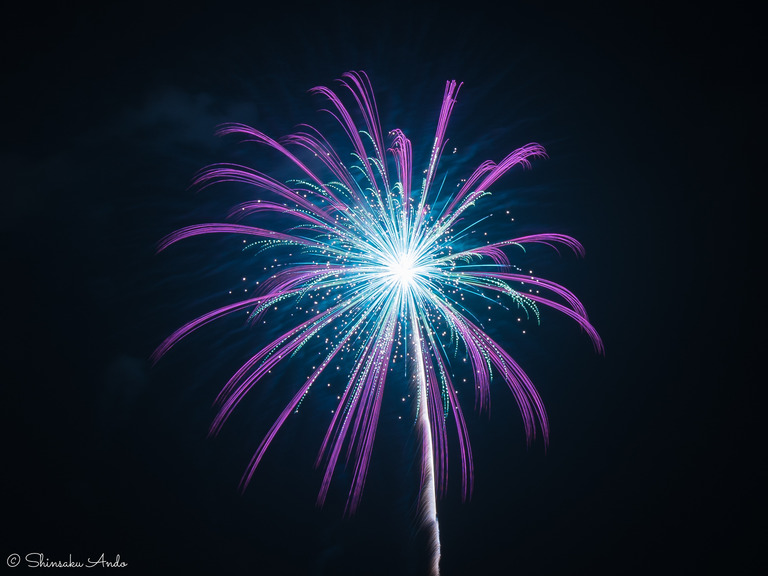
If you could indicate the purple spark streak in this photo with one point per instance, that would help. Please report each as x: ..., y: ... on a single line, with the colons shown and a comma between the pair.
x: 375, y: 256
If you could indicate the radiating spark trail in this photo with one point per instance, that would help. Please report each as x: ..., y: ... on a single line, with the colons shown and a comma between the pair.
x: 370, y: 257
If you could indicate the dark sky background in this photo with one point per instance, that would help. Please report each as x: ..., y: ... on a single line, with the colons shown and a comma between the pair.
x: 650, y: 118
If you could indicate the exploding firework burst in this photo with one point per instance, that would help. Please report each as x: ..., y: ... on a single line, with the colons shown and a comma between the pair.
x: 378, y: 266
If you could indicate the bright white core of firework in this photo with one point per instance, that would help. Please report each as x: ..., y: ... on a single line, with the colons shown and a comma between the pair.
x: 403, y: 269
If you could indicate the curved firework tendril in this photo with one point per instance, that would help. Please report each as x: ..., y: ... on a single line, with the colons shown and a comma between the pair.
x: 385, y: 261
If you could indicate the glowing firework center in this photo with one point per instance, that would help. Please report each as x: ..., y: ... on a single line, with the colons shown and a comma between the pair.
x: 402, y: 269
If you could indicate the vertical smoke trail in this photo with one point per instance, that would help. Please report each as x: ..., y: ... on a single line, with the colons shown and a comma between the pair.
x: 427, y: 496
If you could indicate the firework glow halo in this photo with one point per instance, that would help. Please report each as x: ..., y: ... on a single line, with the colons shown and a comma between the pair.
x: 381, y: 269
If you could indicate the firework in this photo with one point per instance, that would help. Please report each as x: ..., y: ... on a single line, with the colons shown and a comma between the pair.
x: 381, y: 267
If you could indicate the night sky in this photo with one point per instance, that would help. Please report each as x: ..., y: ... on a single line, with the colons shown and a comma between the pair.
x: 650, y: 119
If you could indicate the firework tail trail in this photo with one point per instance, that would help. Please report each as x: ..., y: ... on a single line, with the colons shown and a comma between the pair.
x: 380, y: 254
x: 428, y: 493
